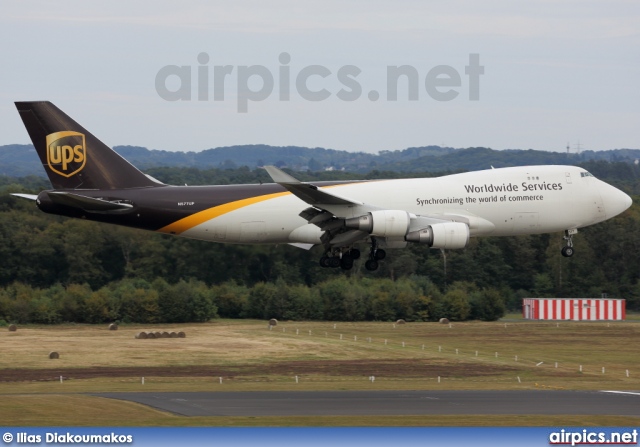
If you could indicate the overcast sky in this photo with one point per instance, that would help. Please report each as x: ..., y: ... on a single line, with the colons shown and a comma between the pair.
x: 554, y: 72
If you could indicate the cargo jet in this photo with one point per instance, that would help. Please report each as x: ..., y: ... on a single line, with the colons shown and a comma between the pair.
x: 93, y: 182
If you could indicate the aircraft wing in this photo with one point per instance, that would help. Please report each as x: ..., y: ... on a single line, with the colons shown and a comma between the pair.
x: 329, y: 211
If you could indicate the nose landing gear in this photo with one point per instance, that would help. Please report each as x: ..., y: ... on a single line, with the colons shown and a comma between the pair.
x: 568, y: 251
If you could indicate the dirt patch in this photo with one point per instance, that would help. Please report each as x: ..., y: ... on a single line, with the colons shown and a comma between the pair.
x: 390, y: 368
x: 25, y: 375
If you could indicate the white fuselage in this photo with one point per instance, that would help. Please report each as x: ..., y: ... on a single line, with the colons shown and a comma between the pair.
x: 497, y: 202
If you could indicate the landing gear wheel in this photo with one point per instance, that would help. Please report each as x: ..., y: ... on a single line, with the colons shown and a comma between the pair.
x: 567, y: 252
x: 380, y: 254
x: 346, y: 262
x: 354, y: 253
x: 324, y: 261
x: 371, y: 265
x: 334, y: 262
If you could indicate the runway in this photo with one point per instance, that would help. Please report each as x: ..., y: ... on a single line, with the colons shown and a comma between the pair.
x: 363, y: 403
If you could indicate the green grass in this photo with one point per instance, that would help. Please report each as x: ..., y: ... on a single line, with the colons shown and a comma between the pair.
x: 78, y: 410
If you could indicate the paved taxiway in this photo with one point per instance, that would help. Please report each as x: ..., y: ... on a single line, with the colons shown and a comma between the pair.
x: 352, y: 403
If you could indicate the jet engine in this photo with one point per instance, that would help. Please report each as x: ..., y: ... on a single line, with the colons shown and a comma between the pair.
x: 397, y: 223
x: 442, y: 235
x: 383, y: 223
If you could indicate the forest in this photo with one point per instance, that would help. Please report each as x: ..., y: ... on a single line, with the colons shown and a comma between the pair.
x: 55, y: 270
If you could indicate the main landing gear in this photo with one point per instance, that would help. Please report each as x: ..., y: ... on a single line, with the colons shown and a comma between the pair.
x: 344, y: 258
x: 567, y: 251
x: 340, y: 259
x: 375, y: 254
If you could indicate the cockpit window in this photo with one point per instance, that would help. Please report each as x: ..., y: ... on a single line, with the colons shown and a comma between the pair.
x: 586, y: 174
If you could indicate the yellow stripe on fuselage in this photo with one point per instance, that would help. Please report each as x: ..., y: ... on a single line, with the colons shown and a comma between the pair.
x: 200, y: 217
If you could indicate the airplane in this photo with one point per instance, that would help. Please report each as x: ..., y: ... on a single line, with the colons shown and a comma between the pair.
x: 91, y: 181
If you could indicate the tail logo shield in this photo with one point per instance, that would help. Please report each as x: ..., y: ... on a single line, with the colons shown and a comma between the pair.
x: 66, y: 152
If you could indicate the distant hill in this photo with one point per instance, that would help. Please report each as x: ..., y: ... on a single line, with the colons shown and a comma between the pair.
x: 295, y: 157
x: 483, y: 158
x: 18, y: 160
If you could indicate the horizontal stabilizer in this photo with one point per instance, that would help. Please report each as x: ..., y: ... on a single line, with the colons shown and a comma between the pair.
x: 89, y: 204
x: 25, y: 196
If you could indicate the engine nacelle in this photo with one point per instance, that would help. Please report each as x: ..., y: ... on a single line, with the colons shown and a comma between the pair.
x: 383, y: 223
x: 442, y: 235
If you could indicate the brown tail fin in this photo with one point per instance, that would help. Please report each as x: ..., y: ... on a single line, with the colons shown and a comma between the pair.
x: 72, y: 157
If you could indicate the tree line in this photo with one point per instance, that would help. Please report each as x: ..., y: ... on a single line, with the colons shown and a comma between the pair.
x: 129, y: 300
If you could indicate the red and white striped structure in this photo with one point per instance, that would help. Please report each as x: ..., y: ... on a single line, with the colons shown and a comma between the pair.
x: 576, y: 309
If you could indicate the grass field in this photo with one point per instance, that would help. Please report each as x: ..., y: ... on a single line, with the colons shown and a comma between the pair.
x: 247, y: 355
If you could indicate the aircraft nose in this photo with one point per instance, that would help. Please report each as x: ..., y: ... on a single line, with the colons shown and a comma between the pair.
x: 615, y: 201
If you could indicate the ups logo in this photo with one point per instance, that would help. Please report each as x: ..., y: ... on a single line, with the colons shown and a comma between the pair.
x: 66, y: 152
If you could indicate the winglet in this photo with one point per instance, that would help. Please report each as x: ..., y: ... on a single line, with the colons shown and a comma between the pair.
x: 308, y: 192
x: 279, y: 176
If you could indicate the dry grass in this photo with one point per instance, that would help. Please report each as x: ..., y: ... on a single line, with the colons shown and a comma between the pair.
x: 258, y: 358
x: 86, y: 345
x: 233, y: 343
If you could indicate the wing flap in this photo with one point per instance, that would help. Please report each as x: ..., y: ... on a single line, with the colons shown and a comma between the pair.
x: 348, y: 237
